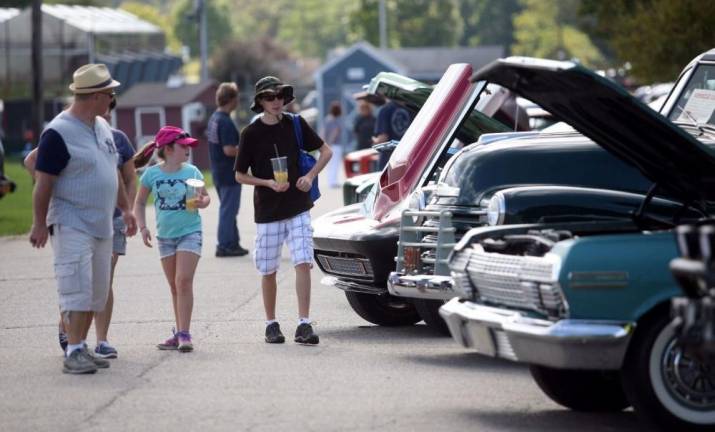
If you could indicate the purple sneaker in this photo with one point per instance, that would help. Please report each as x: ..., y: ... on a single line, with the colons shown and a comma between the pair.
x: 184, y: 340
x: 170, y: 344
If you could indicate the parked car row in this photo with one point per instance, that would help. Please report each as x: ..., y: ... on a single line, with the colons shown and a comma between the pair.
x: 549, y: 248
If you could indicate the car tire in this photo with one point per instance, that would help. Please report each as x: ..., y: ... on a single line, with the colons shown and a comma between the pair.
x: 383, y: 310
x: 658, y: 378
x: 582, y: 390
x: 428, y: 310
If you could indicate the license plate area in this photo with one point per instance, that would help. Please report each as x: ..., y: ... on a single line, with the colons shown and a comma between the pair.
x: 412, y: 259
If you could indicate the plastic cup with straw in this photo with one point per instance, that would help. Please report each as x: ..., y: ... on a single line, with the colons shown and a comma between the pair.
x: 280, y: 167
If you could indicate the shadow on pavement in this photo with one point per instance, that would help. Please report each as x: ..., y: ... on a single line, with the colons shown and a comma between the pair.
x: 407, y: 334
x: 555, y: 420
x: 467, y: 360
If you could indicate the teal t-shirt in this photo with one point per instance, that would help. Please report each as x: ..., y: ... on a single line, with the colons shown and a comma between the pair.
x: 169, y: 192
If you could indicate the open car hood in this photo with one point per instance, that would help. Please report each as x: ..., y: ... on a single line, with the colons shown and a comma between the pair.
x: 413, y: 94
x: 425, y: 139
x: 682, y: 166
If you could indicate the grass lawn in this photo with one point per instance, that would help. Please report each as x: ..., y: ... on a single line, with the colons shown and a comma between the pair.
x: 16, y: 208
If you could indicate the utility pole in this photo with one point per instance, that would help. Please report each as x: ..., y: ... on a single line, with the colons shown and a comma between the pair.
x: 383, y: 25
x: 203, y: 38
x: 38, y: 111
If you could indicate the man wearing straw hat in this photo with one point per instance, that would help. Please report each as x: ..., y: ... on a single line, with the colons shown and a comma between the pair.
x: 76, y: 190
x: 281, y: 200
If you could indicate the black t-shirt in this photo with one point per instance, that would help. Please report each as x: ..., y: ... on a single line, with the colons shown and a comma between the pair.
x: 257, y: 147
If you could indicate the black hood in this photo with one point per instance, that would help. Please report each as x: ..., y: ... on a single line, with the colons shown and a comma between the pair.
x: 683, y: 167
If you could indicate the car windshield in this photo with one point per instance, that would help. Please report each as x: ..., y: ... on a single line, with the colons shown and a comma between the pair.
x: 696, y: 103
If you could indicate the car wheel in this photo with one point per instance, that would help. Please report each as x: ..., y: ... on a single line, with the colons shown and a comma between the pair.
x: 582, y: 390
x: 384, y: 310
x: 428, y: 310
x: 668, y: 386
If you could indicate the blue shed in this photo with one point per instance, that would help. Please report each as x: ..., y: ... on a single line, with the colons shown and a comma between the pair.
x: 346, y: 73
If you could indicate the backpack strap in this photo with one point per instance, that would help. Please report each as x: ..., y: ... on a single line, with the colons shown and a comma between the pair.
x: 297, y: 129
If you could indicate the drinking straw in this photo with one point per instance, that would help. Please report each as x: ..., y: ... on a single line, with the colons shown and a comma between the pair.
x: 275, y: 147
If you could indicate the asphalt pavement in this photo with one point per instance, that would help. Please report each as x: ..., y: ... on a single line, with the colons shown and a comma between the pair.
x: 360, y: 378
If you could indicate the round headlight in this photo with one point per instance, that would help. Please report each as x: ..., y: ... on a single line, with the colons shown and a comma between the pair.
x: 496, y: 209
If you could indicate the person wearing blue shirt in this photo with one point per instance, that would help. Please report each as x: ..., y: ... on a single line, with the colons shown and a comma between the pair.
x: 392, y: 122
x: 223, y: 147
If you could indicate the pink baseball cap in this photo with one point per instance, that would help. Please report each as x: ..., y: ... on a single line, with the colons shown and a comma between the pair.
x: 173, y: 134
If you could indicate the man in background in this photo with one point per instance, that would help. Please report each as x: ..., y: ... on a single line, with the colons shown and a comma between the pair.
x: 223, y: 148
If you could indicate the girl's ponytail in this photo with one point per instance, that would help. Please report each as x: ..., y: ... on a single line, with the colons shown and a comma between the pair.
x: 144, y: 154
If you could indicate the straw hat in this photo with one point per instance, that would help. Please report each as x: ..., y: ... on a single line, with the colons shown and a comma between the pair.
x: 92, y: 78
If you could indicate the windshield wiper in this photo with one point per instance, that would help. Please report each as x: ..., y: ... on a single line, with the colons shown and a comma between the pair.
x: 694, y: 122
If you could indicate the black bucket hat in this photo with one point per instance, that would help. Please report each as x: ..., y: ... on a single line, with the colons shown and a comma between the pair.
x: 271, y: 84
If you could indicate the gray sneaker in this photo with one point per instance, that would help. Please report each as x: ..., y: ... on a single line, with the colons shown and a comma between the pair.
x: 274, y: 334
x: 100, y: 363
x: 79, y: 363
x: 304, y: 334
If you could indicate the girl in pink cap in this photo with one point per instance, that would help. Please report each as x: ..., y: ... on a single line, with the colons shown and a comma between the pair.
x: 178, y: 191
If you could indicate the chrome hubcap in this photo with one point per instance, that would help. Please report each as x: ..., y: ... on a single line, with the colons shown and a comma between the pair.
x: 689, y: 378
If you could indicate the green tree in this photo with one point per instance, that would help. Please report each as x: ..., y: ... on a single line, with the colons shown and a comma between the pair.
x: 186, y: 28
x: 488, y: 22
x: 153, y: 15
x: 410, y: 23
x: 657, y: 37
x: 549, y: 29
x: 312, y: 27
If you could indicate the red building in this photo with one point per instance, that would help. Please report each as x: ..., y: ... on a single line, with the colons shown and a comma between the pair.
x: 146, y: 107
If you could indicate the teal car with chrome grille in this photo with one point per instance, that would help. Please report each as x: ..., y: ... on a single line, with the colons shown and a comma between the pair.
x: 587, y: 304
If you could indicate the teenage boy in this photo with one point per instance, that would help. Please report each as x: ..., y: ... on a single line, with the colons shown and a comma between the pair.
x: 281, y: 209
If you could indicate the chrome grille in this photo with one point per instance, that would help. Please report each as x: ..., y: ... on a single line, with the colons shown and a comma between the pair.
x: 519, y: 281
x: 346, y: 266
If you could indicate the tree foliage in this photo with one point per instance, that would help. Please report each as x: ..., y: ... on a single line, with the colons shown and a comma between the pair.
x: 549, y: 29
x: 410, y: 23
x: 311, y: 27
x: 151, y: 14
x: 657, y: 37
x: 488, y: 22
x: 186, y: 26
x: 244, y: 62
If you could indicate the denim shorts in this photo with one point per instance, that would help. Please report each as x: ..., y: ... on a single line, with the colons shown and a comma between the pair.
x: 187, y: 243
x: 119, y: 242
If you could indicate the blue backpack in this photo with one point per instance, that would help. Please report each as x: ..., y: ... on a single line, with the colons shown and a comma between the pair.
x: 305, y: 160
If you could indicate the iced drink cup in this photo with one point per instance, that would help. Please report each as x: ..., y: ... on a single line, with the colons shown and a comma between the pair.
x: 192, y: 193
x: 280, y: 169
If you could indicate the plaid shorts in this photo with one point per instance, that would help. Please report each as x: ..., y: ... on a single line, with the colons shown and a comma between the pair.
x: 296, y: 231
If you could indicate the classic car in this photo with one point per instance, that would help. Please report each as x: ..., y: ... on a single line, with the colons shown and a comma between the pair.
x: 694, y: 313
x: 586, y: 304
x: 412, y: 95
x: 355, y: 246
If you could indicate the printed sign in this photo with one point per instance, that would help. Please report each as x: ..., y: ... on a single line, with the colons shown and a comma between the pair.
x: 700, y: 106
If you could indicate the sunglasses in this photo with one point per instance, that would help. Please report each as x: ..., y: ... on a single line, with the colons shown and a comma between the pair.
x: 181, y: 136
x: 272, y: 96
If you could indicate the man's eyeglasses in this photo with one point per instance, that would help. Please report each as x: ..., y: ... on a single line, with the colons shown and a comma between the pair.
x: 270, y: 97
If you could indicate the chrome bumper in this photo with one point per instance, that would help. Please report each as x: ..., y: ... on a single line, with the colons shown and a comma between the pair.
x: 565, y: 344
x: 352, y: 286
x: 420, y: 286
